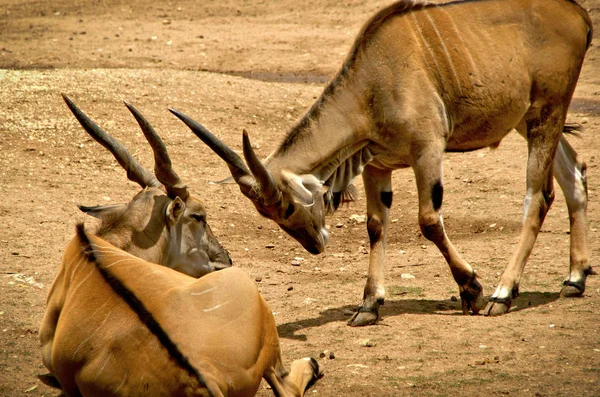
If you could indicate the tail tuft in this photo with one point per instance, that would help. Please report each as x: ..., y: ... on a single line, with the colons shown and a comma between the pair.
x: 573, y: 129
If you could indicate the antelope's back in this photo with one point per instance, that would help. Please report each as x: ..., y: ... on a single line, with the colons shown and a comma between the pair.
x: 219, y: 322
x: 476, y: 66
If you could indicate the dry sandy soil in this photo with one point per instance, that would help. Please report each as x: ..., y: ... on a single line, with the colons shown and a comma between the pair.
x: 258, y: 65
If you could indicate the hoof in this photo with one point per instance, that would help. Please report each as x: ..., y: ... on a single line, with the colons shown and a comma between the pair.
x: 497, y: 308
x: 317, y: 370
x: 49, y: 380
x: 571, y: 291
x: 365, y: 316
x: 471, y: 296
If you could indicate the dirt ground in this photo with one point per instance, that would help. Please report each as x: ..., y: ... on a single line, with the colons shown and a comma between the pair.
x: 258, y: 65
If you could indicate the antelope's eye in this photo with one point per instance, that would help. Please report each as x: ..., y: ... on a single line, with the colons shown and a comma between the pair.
x: 198, y: 217
x: 289, y: 211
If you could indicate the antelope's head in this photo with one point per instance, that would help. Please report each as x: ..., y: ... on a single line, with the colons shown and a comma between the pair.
x: 294, y: 202
x: 164, y: 223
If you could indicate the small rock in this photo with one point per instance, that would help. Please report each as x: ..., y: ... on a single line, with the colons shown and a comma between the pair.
x: 290, y: 288
x: 406, y: 276
x: 258, y: 279
x: 358, y: 218
x: 339, y: 225
x: 454, y: 298
x: 295, y: 263
x: 270, y: 246
x: 324, y: 354
x: 331, y: 356
x: 357, y: 366
x: 367, y: 343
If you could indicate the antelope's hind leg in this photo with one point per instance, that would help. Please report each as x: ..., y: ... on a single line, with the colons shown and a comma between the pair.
x: 543, y: 136
x: 570, y: 173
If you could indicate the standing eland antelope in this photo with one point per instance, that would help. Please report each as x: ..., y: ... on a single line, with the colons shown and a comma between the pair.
x: 422, y: 79
x: 117, y: 323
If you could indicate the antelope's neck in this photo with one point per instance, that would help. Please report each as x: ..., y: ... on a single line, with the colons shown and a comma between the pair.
x: 334, y: 130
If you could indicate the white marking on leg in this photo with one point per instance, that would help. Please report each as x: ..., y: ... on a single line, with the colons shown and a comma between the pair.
x: 569, y: 177
x: 380, y: 292
x: 502, y: 293
x: 526, y: 203
x: 574, y: 277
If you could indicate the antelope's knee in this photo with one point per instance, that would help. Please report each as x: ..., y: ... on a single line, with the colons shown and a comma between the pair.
x: 375, y: 230
x: 431, y: 227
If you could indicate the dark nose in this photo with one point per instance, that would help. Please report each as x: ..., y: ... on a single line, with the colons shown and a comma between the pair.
x: 315, y: 249
x: 221, y: 260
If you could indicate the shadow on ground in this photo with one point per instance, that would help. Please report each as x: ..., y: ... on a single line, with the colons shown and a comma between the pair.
x: 527, y: 300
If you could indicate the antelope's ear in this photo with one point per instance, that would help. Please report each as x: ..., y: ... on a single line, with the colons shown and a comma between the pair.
x: 302, y: 186
x: 312, y: 183
x: 99, y: 211
x: 175, y: 211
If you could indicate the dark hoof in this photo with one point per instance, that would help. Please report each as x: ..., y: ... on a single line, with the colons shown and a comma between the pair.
x: 572, y: 290
x: 49, y: 380
x: 318, y: 371
x: 497, y: 308
x: 471, y: 296
x: 365, y: 316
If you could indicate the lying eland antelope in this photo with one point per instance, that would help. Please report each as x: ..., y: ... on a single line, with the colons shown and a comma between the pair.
x: 420, y: 80
x: 164, y: 223
x: 117, y: 323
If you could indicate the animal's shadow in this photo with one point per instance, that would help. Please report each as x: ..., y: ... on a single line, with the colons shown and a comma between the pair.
x: 392, y: 308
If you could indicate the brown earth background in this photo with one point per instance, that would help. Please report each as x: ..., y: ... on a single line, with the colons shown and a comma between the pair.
x: 259, y: 65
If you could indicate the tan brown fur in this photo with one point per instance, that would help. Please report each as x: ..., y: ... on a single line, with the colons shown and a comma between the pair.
x: 423, y: 79
x: 99, y: 344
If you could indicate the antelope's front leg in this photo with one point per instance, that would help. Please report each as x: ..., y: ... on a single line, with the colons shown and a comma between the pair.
x: 428, y: 175
x: 378, y: 188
